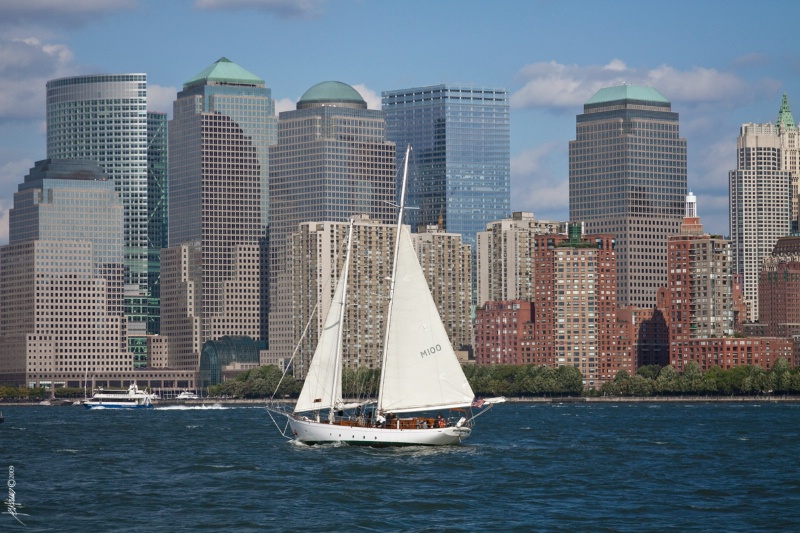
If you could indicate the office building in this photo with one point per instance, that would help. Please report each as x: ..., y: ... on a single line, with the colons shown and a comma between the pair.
x: 779, y: 289
x: 460, y: 138
x: 223, y: 122
x: 627, y: 177
x: 760, y: 204
x: 157, y: 225
x: 790, y: 155
x: 332, y: 161
x: 505, y: 253
x: 62, y: 282
x: 104, y: 118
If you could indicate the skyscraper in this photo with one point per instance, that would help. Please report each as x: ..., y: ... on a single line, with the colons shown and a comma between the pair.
x: 790, y: 155
x: 461, y: 164
x: 760, y: 204
x: 627, y: 177
x: 61, y: 277
x: 103, y: 118
x: 332, y: 161
x: 223, y: 122
x: 157, y: 171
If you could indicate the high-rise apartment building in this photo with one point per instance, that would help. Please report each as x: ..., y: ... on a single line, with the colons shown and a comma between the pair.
x: 332, y: 161
x: 104, y: 118
x: 760, y: 204
x: 505, y: 257
x: 575, y: 306
x: 699, y: 285
x: 223, y: 122
x: 500, y: 330
x: 317, y: 256
x: 460, y: 171
x: 447, y: 264
x: 627, y: 177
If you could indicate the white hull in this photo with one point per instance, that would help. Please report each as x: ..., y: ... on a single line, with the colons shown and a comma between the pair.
x: 309, y: 431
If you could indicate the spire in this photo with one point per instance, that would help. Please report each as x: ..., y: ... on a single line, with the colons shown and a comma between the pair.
x: 785, y: 118
x: 691, y: 205
x: 691, y: 222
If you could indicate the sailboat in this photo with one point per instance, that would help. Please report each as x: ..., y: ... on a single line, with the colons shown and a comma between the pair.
x: 420, y: 373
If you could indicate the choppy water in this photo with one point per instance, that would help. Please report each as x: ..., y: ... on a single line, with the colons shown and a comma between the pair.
x: 527, y: 467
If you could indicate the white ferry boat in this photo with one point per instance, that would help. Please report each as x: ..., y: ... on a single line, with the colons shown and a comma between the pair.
x: 186, y: 395
x: 133, y: 398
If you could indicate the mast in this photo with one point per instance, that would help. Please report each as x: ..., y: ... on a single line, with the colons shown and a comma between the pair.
x: 379, y: 406
x: 337, y: 377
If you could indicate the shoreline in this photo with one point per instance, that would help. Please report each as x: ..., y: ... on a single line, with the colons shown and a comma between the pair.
x: 554, y: 399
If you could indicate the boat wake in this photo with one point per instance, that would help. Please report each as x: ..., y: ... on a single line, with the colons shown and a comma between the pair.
x: 215, y: 406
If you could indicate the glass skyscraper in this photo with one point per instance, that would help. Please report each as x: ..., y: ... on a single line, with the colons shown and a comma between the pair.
x: 223, y: 122
x: 157, y: 171
x: 104, y: 118
x: 460, y: 171
x: 627, y: 177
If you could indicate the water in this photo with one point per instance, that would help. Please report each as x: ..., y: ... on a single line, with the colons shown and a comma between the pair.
x: 527, y: 467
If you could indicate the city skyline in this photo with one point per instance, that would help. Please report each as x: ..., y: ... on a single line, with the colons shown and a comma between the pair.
x: 709, y: 59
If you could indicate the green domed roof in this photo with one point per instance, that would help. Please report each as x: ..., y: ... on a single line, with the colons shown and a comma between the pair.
x: 225, y: 71
x: 627, y: 92
x: 333, y: 92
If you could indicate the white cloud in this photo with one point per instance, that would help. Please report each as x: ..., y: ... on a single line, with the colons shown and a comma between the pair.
x: 372, y: 98
x: 26, y: 65
x: 535, y: 185
x: 285, y: 104
x: 280, y: 8
x: 551, y: 84
x: 160, y: 98
x: 32, y: 13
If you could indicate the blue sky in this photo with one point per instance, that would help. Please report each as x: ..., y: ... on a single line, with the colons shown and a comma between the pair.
x: 720, y: 63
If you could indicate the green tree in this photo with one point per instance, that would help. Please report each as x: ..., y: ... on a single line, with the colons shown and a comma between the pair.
x: 648, y: 371
x: 691, y: 380
x: 668, y: 381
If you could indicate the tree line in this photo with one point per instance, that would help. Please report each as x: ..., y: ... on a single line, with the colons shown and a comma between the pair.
x: 743, y: 380
x: 511, y: 380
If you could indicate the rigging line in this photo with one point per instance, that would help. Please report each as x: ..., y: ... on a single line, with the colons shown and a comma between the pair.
x: 282, y: 431
x: 296, y: 348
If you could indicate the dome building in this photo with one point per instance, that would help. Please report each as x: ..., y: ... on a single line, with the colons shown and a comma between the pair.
x: 332, y: 161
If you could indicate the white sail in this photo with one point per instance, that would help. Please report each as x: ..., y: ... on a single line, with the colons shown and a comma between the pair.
x: 323, y: 384
x: 421, y: 369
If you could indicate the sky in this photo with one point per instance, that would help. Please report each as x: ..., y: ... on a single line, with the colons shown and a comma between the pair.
x: 721, y: 63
